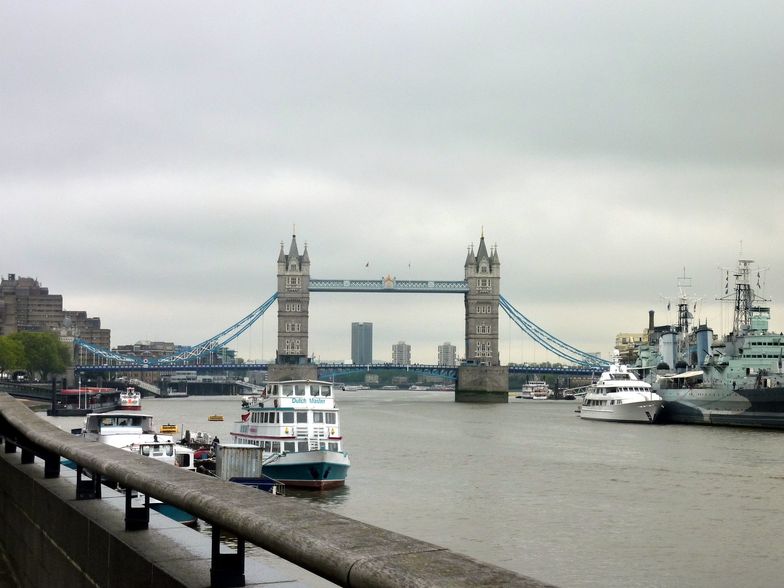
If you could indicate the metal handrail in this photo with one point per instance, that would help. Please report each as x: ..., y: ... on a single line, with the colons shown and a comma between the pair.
x: 342, y: 550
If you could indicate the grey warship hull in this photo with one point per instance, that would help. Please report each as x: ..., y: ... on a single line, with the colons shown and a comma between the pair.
x: 762, y: 407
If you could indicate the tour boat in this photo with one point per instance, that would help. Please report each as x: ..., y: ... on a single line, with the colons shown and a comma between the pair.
x: 534, y: 390
x: 620, y: 396
x: 297, y: 425
x: 130, y: 399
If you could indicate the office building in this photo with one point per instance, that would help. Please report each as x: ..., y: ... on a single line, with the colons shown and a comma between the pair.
x: 401, y: 353
x: 25, y: 305
x: 447, y: 355
x: 362, y: 343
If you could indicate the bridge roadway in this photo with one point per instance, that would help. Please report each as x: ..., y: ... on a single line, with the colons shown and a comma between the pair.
x: 53, y: 529
x: 436, y: 370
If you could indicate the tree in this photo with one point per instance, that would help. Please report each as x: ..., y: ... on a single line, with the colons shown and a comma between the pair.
x: 43, y: 353
x: 11, y: 355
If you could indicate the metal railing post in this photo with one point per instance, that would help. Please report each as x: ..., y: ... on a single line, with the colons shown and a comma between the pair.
x: 137, y: 518
x: 227, y: 569
x: 87, y: 489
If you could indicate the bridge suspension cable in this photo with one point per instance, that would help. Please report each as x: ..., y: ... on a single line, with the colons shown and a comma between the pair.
x: 548, y: 341
x: 223, y: 338
x: 212, y: 344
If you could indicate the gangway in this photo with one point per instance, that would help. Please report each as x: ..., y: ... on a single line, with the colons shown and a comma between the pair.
x: 146, y: 386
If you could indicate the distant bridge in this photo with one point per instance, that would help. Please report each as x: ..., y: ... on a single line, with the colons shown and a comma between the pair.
x: 329, y: 369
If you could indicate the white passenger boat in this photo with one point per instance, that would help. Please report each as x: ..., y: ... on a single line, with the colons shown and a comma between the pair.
x: 297, y: 425
x: 134, y: 432
x: 620, y: 396
x: 534, y: 390
x: 130, y: 399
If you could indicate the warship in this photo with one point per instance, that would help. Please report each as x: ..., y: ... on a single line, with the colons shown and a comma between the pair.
x: 736, y: 380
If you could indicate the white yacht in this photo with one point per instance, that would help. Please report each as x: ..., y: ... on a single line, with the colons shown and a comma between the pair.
x: 620, y: 395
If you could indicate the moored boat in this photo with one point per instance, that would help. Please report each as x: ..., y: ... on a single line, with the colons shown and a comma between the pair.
x: 130, y: 399
x: 297, y: 425
x: 534, y: 390
x: 620, y: 396
x: 134, y: 432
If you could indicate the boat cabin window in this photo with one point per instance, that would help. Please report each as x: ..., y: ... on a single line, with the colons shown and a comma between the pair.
x: 275, y: 447
x: 288, y: 446
x: 287, y: 389
x: 333, y: 446
x: 167, y: 450
x: 326, y: 391
x: 302, y: 417
x: 299, y: 389
x: 288, y: 417
x: 302, y: 445
x: 330, y: 418
x: 318, y: 417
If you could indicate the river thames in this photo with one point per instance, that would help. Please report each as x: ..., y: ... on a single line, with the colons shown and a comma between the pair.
x: 532, y: 488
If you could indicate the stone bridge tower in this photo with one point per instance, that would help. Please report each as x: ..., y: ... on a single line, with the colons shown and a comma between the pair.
x: 481, y: 377
x: 293, y: 302
x: 483, y: 276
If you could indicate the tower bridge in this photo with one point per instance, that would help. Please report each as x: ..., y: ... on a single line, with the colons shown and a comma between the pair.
x: 480, y: 378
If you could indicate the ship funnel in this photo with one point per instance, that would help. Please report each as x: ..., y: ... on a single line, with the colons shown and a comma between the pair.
x: 704, y: 340
x: 650, y: 327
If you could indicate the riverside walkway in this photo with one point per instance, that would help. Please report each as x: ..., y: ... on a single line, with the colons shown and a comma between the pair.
x: 87, y: 535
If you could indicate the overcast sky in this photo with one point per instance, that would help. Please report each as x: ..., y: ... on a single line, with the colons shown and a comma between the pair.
x: 154, y: 155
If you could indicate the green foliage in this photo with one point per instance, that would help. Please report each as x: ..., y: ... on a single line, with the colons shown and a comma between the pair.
x: 42, y: 353
x: 11, y: 355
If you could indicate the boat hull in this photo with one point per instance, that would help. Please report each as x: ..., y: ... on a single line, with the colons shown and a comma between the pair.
x: 763, y: 407
x: 636, y: 412
x: 319, y: 470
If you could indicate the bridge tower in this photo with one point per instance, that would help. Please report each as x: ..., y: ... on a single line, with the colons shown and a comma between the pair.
x: 293, y: 303
x: 483, y: 276
x: 481, y: 377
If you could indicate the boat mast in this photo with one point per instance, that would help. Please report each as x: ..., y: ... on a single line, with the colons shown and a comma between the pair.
x: 745, y: 299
